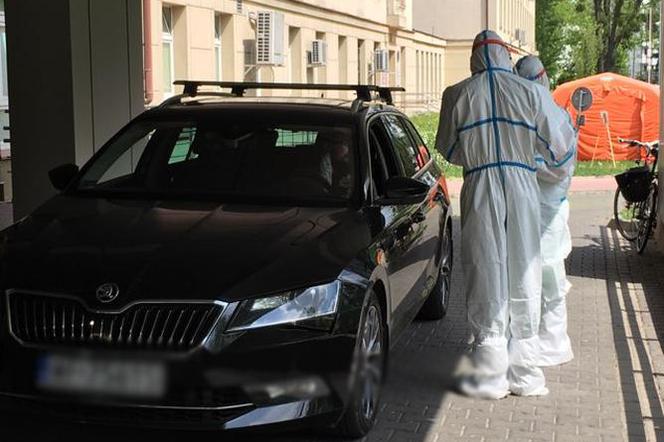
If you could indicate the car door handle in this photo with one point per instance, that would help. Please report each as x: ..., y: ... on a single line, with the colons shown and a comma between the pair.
x: 418, y: 217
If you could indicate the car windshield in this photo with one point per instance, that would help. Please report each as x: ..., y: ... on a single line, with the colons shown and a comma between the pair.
x: 247, y: 162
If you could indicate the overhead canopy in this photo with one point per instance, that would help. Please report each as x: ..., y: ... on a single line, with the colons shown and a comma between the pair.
x: 622, y: 108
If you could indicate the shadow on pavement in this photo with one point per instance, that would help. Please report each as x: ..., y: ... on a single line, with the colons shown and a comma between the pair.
x: 420, y: 375
x: 610, y: 258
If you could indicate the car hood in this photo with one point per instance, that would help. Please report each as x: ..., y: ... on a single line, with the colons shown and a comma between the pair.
x: 173, y: 250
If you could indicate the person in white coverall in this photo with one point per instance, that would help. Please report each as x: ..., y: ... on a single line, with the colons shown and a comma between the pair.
x: 556, y: 243
x: 493, y: 124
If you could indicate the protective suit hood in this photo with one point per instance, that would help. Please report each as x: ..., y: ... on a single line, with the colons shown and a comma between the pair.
x: 531, y: 68
x: 489, y: 51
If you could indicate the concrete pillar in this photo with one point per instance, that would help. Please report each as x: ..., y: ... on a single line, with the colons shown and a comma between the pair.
x: 75, y: 78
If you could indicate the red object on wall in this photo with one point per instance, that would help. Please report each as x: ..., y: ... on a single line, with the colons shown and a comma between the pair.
x: 630, y: 106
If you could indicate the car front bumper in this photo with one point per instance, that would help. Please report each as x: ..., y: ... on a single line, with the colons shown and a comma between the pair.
x: 270, y: 376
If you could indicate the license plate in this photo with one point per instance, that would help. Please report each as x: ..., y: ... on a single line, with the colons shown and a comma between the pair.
x: 84, y: 375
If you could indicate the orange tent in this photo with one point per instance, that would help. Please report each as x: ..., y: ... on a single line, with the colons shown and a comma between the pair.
x: 622, y: 107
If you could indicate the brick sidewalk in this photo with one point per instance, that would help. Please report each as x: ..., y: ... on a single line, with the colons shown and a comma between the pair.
x: 608, y: 393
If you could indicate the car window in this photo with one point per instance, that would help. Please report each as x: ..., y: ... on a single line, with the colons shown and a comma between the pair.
x: 127, y: 162
x: 381, y: 168
x: 423, y: 155
x: 295, y: 138
x: 403, y: 144
x: 240, y: 160
x: 383, y: 143
x: 182, y: 149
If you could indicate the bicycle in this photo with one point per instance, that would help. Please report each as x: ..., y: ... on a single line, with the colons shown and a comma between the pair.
x: 635, y: 201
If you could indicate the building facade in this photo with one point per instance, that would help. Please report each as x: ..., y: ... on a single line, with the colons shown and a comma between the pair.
x: 459, y: 21
x: 306, y: 41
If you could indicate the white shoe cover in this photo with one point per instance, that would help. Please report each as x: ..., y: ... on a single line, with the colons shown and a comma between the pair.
x: 488, y: 377
x: 485, y: 389
x: 525, y: 377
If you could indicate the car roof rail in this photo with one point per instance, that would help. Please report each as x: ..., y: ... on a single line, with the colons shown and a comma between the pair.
x: 365, y: 92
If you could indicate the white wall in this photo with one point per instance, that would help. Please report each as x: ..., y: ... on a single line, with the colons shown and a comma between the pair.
x: 75, y: 78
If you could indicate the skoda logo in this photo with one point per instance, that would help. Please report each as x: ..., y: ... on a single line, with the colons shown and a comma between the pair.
x: 107, y: 292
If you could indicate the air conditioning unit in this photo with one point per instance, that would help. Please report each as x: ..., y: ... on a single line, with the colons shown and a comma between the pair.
x: 270, y: 38
x: 239, y: 7
x: 318, y: 54
x: 520, y: 35
x: 381, y: 60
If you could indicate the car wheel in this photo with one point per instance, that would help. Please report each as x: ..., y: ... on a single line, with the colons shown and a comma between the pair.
x: 360, y: 415
x: 435, y: 307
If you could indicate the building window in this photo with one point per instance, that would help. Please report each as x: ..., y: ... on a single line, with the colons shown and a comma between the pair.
x: 4, y: 90
x: 167, y: 42
x: 217, y: 47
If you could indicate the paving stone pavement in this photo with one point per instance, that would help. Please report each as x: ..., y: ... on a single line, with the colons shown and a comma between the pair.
x: 610, y: 392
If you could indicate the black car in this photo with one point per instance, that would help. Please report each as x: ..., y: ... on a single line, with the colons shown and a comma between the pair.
x: 227, y: 262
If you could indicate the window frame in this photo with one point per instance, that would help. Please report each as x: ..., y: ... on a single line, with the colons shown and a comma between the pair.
x: 218, y: 30
x: 167, y: 39
x: 387, y: 154
x: 4, y: 85
x: 396, y: 155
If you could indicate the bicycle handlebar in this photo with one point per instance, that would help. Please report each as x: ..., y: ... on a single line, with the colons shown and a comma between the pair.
x: 635, y: 143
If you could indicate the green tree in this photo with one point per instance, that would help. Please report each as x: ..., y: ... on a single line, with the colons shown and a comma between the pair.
x: 566, y: 38
x: 617, y: 22
x: 577, y: 38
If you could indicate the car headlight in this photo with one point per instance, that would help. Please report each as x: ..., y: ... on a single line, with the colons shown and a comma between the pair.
x: 287, y: 308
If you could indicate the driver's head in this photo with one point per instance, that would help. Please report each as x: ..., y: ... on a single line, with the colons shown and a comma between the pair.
x: 336, y: 143
x: 531, y: 68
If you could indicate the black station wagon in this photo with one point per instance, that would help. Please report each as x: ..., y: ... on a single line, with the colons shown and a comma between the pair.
x: 228, y: 262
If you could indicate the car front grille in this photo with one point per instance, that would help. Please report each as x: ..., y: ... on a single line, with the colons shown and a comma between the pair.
x: 172, y: 326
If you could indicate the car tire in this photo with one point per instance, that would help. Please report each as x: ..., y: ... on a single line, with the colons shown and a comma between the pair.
x: 369, y: 367
x: 435, y: 307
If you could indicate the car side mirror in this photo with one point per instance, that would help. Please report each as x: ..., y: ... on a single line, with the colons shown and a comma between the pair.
x: 403, y: 191
x: 61, y: 176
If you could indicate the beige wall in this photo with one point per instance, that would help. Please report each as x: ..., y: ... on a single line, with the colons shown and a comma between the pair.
x: 462, y: 20
x: 450, y: 19
x: 457, y: 62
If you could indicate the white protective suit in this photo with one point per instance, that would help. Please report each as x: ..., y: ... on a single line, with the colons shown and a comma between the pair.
x: 492, y: 124
x: 556, y: 243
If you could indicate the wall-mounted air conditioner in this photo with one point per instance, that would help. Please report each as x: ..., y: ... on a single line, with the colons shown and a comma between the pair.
x: 270, y: 38
x: 381, y: 60
x: 520, y: 35
x: 317, y: 56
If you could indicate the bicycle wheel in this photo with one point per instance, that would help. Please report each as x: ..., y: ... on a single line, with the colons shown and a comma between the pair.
x: 625, y: 213
x: 647, y: 219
